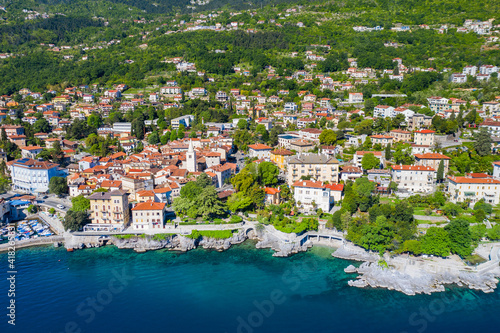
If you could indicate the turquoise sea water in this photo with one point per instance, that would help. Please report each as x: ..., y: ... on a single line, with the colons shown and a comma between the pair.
x: 240, y: 290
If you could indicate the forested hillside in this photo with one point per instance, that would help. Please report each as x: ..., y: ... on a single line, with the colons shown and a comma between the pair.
x: 128, y: 40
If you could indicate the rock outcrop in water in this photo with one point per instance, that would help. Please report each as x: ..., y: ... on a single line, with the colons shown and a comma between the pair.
x: 222, y: 244
x: 282, y: 248
x: 375, y: 276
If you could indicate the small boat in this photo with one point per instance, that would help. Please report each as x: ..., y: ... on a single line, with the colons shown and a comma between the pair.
x: 69, y: 250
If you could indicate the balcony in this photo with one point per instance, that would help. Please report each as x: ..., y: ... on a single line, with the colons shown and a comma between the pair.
x: 470, y: 194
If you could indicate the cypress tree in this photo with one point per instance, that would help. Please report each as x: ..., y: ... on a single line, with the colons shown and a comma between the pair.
x: 440, y: 172
x: 388, y: 153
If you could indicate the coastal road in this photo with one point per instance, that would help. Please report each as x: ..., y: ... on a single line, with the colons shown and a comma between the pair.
x: 53, y: 204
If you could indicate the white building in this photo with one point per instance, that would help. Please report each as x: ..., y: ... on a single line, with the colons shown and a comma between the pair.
x: 438, y: 104
x: 290, y: 107
x: 470, y: 70
x: 122, y: 127
x: 260, y: 151
x: 492, y: 126
x: 32, y: 176
x: 148, y: 215
x: 184, y: 120
x: 458, y: 78
x: 493, y: 107
x: 170, y: 90
x: 358, y: 156
x: 488, y: 69
x: 310, y: 195
x: 355, y: 98
x: 473, y: 189
x: 31, y: 151
x: 383, y: 111
x: 414, y: 178
x: 496, y: 170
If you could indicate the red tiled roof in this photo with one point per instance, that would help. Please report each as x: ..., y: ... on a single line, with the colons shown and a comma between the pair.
x: 412, y: 167
x: 335, y: 187
x: 259, y: 146
x: 376, y: 153
x: 432, y: 156
x: 308, y: 183
x: 271, y: 191
x: 468, y: 180
x: 149, y: 205
x: 284, y: 152
x: 32, y: 148
x: 162, y: 190
x: 145, y: 193
x: 381, y: 137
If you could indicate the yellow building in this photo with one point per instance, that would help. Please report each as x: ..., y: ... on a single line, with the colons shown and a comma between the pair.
x: 109, y: 210
x: 278, y: 157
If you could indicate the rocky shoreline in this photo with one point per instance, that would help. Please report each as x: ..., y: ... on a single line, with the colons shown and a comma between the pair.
x: 412, y: 276
x: 375, y: 276
x: 408, y: 275
x: 178, y: 242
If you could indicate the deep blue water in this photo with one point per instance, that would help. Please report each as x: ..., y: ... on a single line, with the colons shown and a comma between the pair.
x: 240, y: 290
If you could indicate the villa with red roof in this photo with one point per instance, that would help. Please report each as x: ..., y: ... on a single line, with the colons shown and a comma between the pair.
x: 414, y: 178
x: 432, y: 160
x: 424, y: 137
x: 473, y: 189
x: 260, y: 151
x: 148, y: 215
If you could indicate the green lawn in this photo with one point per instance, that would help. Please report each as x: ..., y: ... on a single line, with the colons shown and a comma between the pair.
x: 421, y: 211
x: 386, y: 200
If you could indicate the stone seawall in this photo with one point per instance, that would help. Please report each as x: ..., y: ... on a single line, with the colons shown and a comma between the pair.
x: 33, y: 242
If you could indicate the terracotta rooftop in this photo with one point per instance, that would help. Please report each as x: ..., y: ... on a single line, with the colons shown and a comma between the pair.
x: 149, y: 205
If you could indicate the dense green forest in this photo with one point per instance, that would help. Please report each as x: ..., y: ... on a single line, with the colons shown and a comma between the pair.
x: 326, y: 22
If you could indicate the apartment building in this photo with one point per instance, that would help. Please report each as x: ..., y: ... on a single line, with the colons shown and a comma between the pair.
x: 183, y: 120
x: 108, y: 211
x: 278, y: 157
x: 438, y: 104
x: 432, y: 160
x: 259, y: 151
x: 355, y: 98
x: 311, y: 195
x: 414, y: 178
x: 382, y: 140
x: 383, y: 111
x: 32, y: 176
x: 462, y: 189
x: 148, y: 215
x: 318, y: 166
x: 358, y: 156
x: 401, y: 135
x: 419, y: 121
x: 424, y: 138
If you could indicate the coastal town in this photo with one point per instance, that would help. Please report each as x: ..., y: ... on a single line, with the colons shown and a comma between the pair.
x: 391, y: 163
